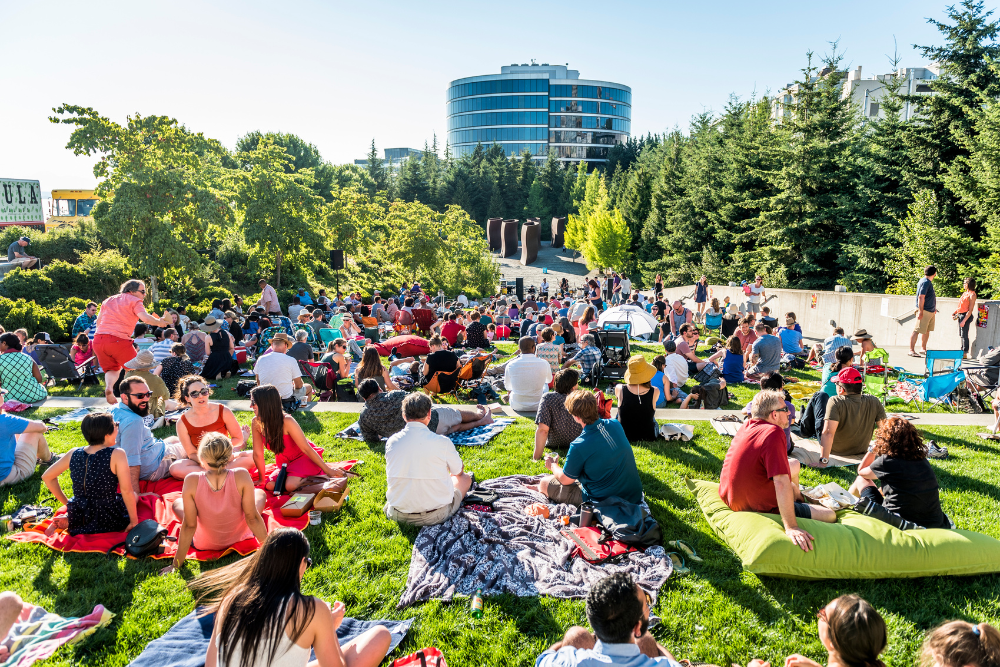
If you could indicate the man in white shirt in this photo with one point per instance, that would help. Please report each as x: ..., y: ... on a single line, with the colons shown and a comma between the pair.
x: 676, y: 371
x: 161, y: 349
x: 268, y: 298
x: 526, y: 377
x: 277, y: 368
x: 426, y: 480
x: 757, y: 295
x: 576, y: 310
x: 463, y: 300
x: 626, y: 289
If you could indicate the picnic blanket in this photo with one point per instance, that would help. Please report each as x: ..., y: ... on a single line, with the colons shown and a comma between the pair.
x: 186, y: 643
x: 474, y: 437
x: 507, y: 551
x: 156, y: 504
x: 37, y: 633
x: 808, y: 451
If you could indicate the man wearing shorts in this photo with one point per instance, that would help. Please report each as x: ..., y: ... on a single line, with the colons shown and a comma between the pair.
x: 382, y: 416
x: 149, y: 458
x: 926, y: 309
x: 281, y: 370
x: 22, y: 444
x: 758, y: 476
x: 115, y: 324
x: 426, y: 480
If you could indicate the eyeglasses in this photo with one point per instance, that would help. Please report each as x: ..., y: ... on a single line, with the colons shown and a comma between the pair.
x: 196, y: 393
x: 785, y: 409
x: 141, y: 291
x: 309, y: 562
x: 142, y: 395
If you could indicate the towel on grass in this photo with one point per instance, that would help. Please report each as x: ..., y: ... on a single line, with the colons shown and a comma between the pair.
x: 808, y: 451
x: 156, y: 504
x: 37, y: 633
x: 186, y: 644
x: 474, y: 437
x: 507, y: 551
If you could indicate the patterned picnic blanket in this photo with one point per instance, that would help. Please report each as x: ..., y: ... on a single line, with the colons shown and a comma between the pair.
x: 37, y: 633
x: 474, y: 437
x: 507, y: 551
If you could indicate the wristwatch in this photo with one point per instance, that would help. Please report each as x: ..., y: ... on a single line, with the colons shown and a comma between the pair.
x: 824, y: 460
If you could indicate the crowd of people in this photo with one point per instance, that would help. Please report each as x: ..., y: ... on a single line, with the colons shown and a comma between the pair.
x: 225, y: 479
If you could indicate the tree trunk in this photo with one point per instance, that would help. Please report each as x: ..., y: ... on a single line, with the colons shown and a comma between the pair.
x: 277, y: 269
x: 153, y: 290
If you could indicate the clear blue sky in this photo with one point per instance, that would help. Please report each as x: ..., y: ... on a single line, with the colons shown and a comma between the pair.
x: 341, y: 73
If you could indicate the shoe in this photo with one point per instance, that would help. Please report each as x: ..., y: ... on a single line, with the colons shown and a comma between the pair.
x: 472, y: 475
x: 935, y: 452
x: 869, y: 507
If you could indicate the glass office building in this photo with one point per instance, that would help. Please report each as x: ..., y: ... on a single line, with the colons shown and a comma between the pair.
x: 538, y: 108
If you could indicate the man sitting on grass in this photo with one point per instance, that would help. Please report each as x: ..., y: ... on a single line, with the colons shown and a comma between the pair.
x: 850, y: 418
x: 425, y: 476
x: 382, y: 415
x: 587, y: 357
x: 618, y: 611
x: 765, y: 354
x: 758, y: 476
x: 600, y: 462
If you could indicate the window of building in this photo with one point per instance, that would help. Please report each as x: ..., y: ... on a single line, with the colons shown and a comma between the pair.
x: 872, y: 109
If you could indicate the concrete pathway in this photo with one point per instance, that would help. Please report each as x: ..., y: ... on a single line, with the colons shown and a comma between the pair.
x: 931, y: 419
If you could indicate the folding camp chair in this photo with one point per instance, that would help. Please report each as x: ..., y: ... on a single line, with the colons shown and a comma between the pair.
x: 311, y: 338
x: 284, y: 322
x: 614, y: 354
x: 59, y: 365
x: 324, y: 379
x: 944, y: 373
x: 327, y: 336
x: 424, y: 319
x: 983, y: 376
x: 713, y: 323
x: 432, y: 386
x: 264, y: 339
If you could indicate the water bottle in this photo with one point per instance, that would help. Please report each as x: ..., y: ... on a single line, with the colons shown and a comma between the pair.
x: 586, y: 514
x: 476, y: 605
x: 279, y: 483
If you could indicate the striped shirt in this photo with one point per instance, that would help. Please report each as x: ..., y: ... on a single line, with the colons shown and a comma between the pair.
x: 831, y: 345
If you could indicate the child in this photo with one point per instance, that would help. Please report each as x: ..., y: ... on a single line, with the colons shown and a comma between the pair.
x: 81, y: 350
x: 491, y: 331
x: 706, y: 396
x: 459, y: 339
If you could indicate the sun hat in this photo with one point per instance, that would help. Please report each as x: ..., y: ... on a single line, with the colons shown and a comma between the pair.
x: 211, y: 325
x: 861, y: 334
x: 142, y: 361
x: 848, y: 376
x: 734, y: 309
x: 639, y: 370
x: 282, y: 337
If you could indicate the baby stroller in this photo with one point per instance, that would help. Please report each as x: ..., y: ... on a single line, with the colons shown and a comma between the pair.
x: 614, y: 354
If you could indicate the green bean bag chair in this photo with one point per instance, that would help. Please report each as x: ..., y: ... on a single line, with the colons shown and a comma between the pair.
x: 856, y: 547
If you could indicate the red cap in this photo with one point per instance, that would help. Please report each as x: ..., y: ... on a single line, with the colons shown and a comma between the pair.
x: 849, y: 376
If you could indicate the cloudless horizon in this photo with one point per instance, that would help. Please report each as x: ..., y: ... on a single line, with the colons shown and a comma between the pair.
x: 341, y: 74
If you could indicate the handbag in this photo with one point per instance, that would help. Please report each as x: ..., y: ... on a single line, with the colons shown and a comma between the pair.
x: 146, y: 539
x: 425, y: 657
x: 595, y: 546
x: 603, y: 404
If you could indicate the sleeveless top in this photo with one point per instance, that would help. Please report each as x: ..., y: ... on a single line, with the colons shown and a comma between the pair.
x: 289, y: 654
x: 221, y: 522
x: 196, y: 432
x: 98, y: 507
x: 195, y: 346
x: 637, y: 415
x: 299, y: 465
x: 679, y: 319
x: 732, y: 367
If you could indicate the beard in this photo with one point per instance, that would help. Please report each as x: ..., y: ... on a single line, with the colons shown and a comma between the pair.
x: 644, y: 626
x: 141, y: 411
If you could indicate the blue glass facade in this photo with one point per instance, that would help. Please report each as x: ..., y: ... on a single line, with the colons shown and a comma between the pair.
x: 538, y: 108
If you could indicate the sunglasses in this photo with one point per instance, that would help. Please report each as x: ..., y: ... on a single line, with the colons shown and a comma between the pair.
x: 649, y: 600
x: 196, y: 393
x: 142, y: 395
x: 785, y: 409
x: 309, y: 562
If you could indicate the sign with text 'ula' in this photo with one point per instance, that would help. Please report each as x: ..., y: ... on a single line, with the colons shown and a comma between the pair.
x: 20, y: 202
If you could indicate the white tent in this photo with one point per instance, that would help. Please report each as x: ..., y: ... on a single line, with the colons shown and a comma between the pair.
x: 642, y: 322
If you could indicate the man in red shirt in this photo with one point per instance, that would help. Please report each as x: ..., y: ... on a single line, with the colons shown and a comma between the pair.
x: 758, y: 476
x: 450, y: 329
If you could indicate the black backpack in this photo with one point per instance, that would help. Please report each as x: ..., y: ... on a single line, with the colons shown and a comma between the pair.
x: 146, y: 539
x: 628, y: 522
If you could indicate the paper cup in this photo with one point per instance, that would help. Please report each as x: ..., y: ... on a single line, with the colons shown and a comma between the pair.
x: 315, y: 517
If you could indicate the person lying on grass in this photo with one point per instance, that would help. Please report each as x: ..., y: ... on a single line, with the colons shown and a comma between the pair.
x: 852, y: 632
x: 758, y: 476
x: 219, y: 506
x: 281, y: 434
x: 248, y: 633
x: 618, y: 611
x: 97, y: 472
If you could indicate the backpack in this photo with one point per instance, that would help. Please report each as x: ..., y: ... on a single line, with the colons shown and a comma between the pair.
x: 244, y: 387
x: 593, y: 545
x: 427, y: 657
x: 146, y: 539
x: 628, y: 522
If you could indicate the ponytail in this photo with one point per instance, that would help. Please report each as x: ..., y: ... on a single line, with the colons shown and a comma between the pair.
x: 958, y: 643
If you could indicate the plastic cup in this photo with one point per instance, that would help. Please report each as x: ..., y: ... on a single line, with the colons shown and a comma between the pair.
x: 315, y: 517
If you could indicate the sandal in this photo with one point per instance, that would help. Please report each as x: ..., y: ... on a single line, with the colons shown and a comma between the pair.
x: 681, y: 545
x: 677, y: 561
x: 914, y: 354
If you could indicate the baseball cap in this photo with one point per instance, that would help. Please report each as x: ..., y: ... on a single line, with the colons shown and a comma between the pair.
x: 25, y: 239
x: 848, y: 376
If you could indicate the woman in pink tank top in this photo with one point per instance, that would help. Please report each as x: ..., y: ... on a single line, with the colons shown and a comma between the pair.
x: 218, y: 507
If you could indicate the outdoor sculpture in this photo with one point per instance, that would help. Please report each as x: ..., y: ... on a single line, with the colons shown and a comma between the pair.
x: 558, y: 230
x: 531, y: 239
x: 508, y: 238
x: 493, y: 233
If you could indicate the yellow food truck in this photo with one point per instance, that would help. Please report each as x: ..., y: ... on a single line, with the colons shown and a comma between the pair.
x: 70, y: 207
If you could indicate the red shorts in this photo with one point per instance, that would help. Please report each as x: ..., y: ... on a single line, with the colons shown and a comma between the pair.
x: 113, y: 352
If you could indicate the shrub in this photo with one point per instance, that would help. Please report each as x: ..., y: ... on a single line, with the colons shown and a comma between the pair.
x: 98, y: 275
x: 29, y: 285
x: 65, y: 243
x: 34, y: 318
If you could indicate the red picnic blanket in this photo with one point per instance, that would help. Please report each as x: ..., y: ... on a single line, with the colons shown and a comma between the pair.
x: 156, y: 504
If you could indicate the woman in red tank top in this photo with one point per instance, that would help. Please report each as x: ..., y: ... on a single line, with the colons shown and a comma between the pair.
x: 204, y: 417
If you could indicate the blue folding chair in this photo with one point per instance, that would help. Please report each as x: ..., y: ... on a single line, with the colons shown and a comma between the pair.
x: 619, y: 326
x: 944, y: 373
x: 282, y: 321
x: 713, y: 323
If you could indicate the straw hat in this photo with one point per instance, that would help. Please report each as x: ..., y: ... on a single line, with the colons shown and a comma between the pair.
x: 281, y: 336
x: 142, y: 361
x: 211, y: 325
x: 733, y: 309
x: 639, y: 370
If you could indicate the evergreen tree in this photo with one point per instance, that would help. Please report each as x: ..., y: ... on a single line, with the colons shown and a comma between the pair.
x: 377, y: 170
x: 536, y: 206
x: 410, y: 184
x: 667, y: 191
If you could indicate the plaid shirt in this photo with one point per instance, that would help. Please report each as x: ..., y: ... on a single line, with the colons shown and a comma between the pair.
x: 831, y: 345
x: 83, y: 323
x: 588, y: 357
x: 382, y: 416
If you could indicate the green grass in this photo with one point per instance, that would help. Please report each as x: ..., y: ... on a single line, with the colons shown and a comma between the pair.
x: 717, y: 614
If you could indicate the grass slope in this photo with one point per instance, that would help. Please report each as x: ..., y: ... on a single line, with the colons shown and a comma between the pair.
x: 718, y: 614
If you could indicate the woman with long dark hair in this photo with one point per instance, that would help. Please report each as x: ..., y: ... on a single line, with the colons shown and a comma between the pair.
x: 586, y: 321
x: 263, y: 619
x: 282, y: 435
x: 371, y: 367
x: 852, y: 632
x: 966, y: 313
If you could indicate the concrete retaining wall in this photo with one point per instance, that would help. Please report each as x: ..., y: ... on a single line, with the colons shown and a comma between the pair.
x: 889, y: 318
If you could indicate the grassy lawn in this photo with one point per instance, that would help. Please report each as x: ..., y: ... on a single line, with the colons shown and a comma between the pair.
x: 718, y: 613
